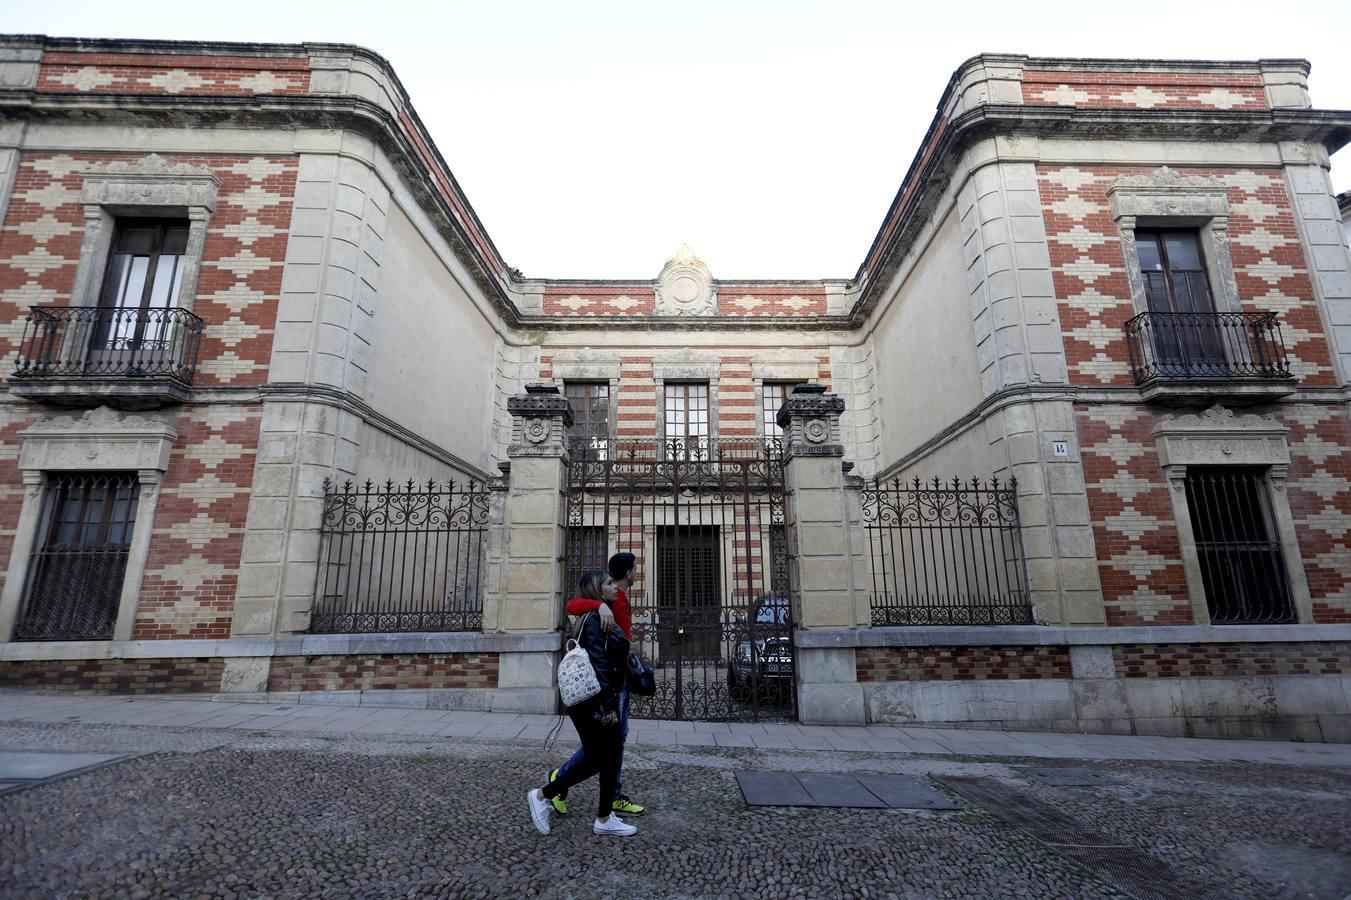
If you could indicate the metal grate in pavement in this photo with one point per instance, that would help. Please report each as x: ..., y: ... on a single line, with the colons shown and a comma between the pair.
x: 839, y: 791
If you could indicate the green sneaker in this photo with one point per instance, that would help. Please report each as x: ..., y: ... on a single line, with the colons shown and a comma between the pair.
x: 560, y: 803
x: 627, y: 806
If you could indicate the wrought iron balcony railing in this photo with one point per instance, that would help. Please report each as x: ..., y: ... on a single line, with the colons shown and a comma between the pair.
x: 98, y: 342
x: 1207, y: 346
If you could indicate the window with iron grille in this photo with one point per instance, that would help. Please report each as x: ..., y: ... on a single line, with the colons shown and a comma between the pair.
x: 1242, y: 566
x: 590, y: 412
x: 587, y: 551
x: 772, y: 399
x: 686, y: 409
x: 75, y: 573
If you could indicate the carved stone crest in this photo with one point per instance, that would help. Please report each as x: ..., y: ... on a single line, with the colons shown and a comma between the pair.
x: 816, y: 431
x: 536, y: 431
x: 685, y: 286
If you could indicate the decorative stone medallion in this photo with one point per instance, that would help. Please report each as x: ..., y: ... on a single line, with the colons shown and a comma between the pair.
x: 816, y: 431
x: 536, y: 430
x: 685, y: 286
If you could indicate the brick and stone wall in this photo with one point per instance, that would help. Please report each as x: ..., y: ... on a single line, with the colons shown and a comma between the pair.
x: 116, y: 676
x: 639, y: 299
x: 1144, y: 90
x: 882, y: 664
x: 1201, y: 660
x: 350, y: 673
x: 165, y: 73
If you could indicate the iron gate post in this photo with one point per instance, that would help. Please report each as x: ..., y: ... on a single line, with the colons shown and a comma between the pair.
x: 825, y: 525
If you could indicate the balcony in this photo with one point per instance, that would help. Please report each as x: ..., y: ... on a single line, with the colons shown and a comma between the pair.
x: 92, y: 356
x: 1189, y: 357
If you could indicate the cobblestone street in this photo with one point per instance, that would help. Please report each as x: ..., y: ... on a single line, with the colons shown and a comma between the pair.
x: 281, y: 811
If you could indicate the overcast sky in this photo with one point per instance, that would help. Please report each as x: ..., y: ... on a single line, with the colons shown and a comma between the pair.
x: 593, y: 138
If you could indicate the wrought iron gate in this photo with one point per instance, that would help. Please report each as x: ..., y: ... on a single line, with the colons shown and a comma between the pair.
x: 711, y: 597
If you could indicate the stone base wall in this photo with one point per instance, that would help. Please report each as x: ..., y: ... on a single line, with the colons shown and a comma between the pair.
x: 116, y: 676
x: 882, y: 664
x: 404, y: 671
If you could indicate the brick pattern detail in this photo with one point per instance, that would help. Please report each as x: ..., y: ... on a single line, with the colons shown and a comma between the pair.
x: 1143, y: 90
x: 193, y: 567
x: 350, y: 673
x: 880, y: 664
x: 116, y: 676
x: 1319, y: 492
x: 242, y: 258
x: 751, y: 300
x: 150, y: 73
x: 1139, y: 557
x: 1200, y: 660
x: 1089, y: 270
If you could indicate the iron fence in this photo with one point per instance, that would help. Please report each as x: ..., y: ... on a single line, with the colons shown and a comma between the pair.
x: 690, y: 449
x: 945, y: 553
x: 402, y: 557
x: 95, y: 341
x: 1206, y: 345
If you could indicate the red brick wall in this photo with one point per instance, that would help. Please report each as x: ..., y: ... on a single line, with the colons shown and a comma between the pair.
x: 116, y: 676
x: 1139, y: 557
x: 1089, y: 270
x: 1144, y: 90
x: 877, y: 664
x: 155, y: 73
x: 639, y: 299
x: 348, y: 673
x: 1192, y: 660
x: 1319, y: 490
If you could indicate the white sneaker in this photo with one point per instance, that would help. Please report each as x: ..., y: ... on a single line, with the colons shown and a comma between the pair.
x: 614, y: 825
x: 539, y: 810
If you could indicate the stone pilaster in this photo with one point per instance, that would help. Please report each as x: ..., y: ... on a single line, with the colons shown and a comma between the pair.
x: 825, y: 521
x: 526, y: 545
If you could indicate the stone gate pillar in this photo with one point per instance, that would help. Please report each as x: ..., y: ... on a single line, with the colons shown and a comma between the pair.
x: 825, y: 522
x: 526, y: 547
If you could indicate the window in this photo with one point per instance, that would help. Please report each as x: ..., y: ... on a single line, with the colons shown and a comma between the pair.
x: 1241, y: 562
x: 590, y: 414
x: 75, y: 573
x: 144, y: 275
x: 1186, y: 333
x: 587, y: 550
x: 772, y: 398
x: 687, y: 417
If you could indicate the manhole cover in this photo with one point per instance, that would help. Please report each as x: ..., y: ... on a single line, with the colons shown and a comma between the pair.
x: 840, y: 791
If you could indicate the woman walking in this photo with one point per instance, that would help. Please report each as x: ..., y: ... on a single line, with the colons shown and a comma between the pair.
x: 596, y: 720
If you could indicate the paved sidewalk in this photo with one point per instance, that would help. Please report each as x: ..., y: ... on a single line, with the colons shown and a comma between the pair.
x: 219, y: 712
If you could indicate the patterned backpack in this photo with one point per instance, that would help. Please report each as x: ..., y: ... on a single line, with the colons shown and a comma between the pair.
x: 577, y: 680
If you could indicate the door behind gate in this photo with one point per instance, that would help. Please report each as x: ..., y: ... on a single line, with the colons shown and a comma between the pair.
x: 711, y: 599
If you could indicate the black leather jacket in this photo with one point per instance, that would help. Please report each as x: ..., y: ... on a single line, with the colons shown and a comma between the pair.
x: 609, y: 653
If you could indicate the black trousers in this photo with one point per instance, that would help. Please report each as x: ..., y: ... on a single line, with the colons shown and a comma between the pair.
x: 604, y: 746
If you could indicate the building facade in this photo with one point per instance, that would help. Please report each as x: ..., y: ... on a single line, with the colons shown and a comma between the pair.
x: 279, y: 417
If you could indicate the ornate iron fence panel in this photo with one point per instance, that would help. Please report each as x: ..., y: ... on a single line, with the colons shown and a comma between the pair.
x: 711, y: 601
x: 402, y: 558
x: 946, y: 553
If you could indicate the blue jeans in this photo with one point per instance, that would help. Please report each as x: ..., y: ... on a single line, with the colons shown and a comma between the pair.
x: 579, y: 758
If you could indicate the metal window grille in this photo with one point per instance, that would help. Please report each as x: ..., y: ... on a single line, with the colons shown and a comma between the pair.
x: 946, y: 553
x: 75, y: 574
x: 402, y: 558
x: 1242, y: 566
x: 773, y: 396
x: 588, y: 550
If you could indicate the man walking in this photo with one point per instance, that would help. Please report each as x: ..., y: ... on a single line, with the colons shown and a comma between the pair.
x: 622, y: 568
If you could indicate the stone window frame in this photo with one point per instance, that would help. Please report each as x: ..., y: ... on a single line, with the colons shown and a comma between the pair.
x: 1218, y: 437
x: 148, y: 188
x: 1165, y: 199
x: 100, y: 440
x: 595, y: 371
x: 707, y: 372
x: 805, y: 371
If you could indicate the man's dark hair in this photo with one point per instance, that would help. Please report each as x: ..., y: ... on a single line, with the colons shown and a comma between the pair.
x: 621, y: 564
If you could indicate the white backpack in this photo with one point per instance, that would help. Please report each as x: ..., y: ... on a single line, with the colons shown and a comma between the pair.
x: 577, y: 680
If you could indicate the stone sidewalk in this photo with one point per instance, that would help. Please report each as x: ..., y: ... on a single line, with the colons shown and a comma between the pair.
x: 221, y: 712
x: 152, y: 797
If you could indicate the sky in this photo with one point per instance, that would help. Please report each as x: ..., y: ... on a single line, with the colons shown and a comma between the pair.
x: 593, y: 138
